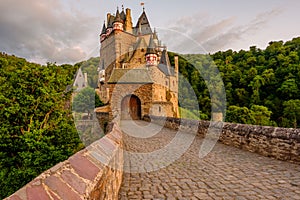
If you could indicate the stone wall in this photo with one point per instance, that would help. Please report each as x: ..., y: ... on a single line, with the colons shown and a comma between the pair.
x: 275, y: 142
x: 103, y: 118
x: 93, y: 173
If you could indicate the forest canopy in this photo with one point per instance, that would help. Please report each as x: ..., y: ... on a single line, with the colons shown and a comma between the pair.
x: 36, y: 125
x: 262, y: 86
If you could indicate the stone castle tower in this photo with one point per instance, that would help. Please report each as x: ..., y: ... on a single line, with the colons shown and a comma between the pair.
x: 135, y: 74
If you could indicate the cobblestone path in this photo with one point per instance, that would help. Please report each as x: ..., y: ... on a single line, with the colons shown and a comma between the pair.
x: 225, y: 173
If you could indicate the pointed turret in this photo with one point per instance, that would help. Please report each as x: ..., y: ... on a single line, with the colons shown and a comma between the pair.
x: 103, y: 29
x: 118, y: 16
x: 103, y: 33
x: 118, y: 23
x: 123, y: 16
x: 164, y: 64
x: 152, y: 47
x: 151, y: 54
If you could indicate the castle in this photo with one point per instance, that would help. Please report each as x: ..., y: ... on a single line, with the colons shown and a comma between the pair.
x: 135, y: 74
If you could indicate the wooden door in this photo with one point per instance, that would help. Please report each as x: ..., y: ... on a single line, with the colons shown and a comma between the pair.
x: 131, y: 108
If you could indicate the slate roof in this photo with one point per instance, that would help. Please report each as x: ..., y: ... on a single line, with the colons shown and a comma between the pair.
x: 164, y: 64
x: 123, y: 15
x: 103, y: 29
x: 143, y: 25
x: 118, y: 17
x: 130, y: 76
x: 151, y: 47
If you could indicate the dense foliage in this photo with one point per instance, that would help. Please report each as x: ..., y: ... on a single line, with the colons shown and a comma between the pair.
x: 86, y: 100
x: 36, y: 125
x: 262, y: 86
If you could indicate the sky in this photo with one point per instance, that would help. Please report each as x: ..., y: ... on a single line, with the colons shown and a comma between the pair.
x: 67, y: 31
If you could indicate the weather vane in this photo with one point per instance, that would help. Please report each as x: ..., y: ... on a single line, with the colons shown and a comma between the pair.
x: 143, y: 4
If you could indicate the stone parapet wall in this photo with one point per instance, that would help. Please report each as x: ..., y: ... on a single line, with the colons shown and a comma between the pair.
x: 275, y: 142
x: 93, y: 173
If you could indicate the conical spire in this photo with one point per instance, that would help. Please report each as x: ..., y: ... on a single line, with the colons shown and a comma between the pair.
x: 151, y: 47
x: 103, y: 29
x: 123, y: 15
x: 118, y: 16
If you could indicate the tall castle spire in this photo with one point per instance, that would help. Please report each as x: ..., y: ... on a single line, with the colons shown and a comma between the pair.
x: 123, y: 16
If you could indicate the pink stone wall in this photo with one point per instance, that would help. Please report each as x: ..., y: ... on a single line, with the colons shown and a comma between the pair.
x: 93, y: 173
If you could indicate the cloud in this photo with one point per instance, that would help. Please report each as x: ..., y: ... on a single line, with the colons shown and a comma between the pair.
x: 238, y: 33
x: 211, y: 31
x: 45, y: 31
x: 212, y: 37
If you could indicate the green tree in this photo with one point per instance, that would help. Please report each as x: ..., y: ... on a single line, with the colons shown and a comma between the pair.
x: 291, y: 113
x: 86, y: 101
x: 262, y: 115
x: 241, y: 115
x: 289, y: 89
x: 266, y: 77
x: 36, y: 125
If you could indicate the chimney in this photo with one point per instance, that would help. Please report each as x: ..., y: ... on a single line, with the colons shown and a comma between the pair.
x: 176, y: 64
x: 128, y: 22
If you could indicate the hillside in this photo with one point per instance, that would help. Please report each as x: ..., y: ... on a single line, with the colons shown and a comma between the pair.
x: 262, y: 86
